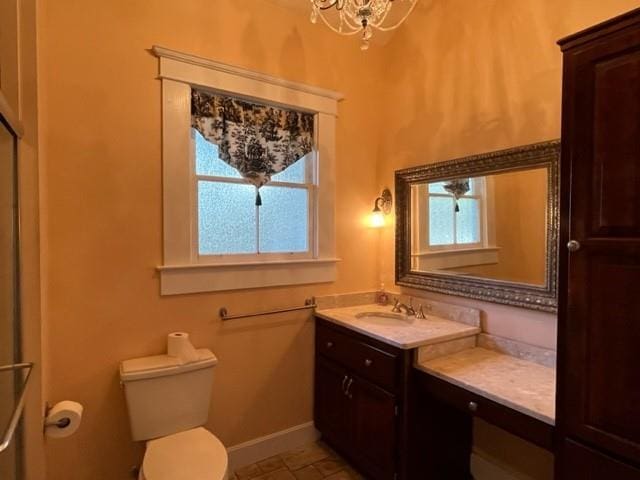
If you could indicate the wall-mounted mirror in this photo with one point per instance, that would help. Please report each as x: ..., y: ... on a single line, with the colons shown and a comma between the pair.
x: 484, y: 227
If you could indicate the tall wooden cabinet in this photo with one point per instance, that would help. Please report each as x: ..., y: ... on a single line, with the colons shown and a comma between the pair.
x: 599, y: 315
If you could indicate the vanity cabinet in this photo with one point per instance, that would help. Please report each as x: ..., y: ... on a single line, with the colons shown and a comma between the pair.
x: 599, y: 301
x: 361, y: 400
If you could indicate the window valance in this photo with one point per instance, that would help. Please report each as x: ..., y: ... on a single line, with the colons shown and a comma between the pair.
x: 257, y: 140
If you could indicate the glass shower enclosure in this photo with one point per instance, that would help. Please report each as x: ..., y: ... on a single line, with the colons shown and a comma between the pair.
x: 14, y: 374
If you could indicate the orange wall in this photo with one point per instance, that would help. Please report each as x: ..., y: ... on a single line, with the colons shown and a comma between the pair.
x: 100, y: 113
x: 469, y: 77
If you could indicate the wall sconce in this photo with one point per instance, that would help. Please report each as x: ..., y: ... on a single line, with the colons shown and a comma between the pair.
x: 382, y: 207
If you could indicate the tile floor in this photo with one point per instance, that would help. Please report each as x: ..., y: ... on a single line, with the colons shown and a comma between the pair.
x: 313, y: 462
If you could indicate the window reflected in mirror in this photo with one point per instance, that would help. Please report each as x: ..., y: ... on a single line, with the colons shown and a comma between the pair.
x: 492, y: 226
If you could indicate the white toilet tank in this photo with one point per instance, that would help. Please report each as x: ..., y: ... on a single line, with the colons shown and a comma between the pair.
x: 165, y: 396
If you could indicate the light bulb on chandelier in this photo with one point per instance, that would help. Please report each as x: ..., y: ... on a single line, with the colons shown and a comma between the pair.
x: 350, y: 17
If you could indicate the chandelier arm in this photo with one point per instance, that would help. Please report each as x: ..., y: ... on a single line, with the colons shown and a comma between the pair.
x: 399, y: 22
x: 327, y: 4
x: 348, y: 33
x: 357, y: 26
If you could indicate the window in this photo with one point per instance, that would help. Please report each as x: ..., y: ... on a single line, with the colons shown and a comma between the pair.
x: 449, y: 229
x: 229, y: 224
x: 444, y: 239
x: 215, y: 237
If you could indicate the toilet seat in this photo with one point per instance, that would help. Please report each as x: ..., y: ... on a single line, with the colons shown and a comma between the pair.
x: 195, y: 454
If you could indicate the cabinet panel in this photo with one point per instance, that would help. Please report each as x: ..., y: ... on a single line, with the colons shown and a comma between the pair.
x: 375, y: 428
x: 581, y: 462
x: 333, y: 409
x: 601, y: 136
x: 616, y: 145
x: 603, y: 329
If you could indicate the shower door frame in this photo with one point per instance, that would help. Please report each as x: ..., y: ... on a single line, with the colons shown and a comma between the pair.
x: 12, y: 432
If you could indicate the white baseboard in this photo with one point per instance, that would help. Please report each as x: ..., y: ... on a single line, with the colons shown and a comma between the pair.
x: 264, y: 447
x: 483, y: 468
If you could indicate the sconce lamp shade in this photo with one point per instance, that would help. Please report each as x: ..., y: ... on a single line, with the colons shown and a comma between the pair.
x: 382, y: 207
x: 376, y: 219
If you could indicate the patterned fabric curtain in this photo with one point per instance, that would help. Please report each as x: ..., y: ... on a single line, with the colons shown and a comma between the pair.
x: 458, y: 188
x: 257, y: 140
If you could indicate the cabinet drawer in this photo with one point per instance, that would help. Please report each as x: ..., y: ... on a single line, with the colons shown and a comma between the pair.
x: 525, y: 426
x: 365, y: 360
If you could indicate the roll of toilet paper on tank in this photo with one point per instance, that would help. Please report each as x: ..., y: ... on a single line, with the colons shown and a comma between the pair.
x: 179, y: 346
x: 63, y: 419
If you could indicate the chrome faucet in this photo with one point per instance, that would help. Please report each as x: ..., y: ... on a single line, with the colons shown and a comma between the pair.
x: 399, y: 307
x: 408, y: 309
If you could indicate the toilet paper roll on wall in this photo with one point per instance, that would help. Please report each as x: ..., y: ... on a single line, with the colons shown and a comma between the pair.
x: 179, y: 346
x: 63, y: 419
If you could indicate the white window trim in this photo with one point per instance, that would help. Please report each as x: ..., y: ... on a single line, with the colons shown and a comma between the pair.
x: 455, y: 258
x: 179, y: 273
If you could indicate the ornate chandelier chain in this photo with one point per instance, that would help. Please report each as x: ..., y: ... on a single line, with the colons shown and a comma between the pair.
x: 360, y: 16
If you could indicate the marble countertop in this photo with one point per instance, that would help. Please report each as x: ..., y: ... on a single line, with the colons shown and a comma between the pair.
x: 406, y: 334
x: 518, y: 384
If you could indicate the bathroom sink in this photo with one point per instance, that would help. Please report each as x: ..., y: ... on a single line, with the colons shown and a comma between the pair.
x: 384, y: 318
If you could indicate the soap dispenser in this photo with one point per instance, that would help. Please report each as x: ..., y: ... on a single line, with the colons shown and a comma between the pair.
x: 381, y: 296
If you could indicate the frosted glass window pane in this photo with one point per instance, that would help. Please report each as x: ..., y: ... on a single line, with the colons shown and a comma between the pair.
x: 441, y: 221
x: 295, y: 173
x: 476, y: 186
x: 207, y: 160
x: 438, y: 187
x: 284, y: 220
x: 226, y: 218
x: 468, y: 218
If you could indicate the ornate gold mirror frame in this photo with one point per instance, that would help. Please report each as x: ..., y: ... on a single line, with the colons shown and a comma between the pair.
x: 543, y: 297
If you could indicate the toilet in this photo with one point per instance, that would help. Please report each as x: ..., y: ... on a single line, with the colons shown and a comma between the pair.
x: 168, y: 404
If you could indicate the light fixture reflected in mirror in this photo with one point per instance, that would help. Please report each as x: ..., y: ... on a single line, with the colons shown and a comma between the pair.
x: 381, y: 208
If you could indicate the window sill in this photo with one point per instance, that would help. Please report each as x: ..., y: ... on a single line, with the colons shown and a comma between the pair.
x: 217, y: 277
x: 437, y: 253
x: 466, y: 257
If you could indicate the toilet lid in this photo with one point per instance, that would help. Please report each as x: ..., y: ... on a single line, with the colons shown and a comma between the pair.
x: 192, y: 455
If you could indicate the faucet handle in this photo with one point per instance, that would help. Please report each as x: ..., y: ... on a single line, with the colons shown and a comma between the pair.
x: 420, y: 313
x: 396, y: 306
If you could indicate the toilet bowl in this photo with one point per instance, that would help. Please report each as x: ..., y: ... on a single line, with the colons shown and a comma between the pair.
x: 195, y: 454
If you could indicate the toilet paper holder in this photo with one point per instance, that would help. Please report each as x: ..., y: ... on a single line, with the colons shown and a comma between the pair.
x: 61, y: 423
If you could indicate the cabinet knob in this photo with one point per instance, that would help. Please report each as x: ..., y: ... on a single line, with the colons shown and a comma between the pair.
x: 573, y: 245
x: 329, y: 344
x: 368, y: 363
x: 473, y: 407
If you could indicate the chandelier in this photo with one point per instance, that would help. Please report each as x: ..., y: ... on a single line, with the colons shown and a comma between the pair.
x: 350, y: 17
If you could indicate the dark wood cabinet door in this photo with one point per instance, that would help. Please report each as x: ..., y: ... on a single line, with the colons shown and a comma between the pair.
x: 599, y: 315
x: 588, y: 464
x: 374, y: 428
x: 333, y: 409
